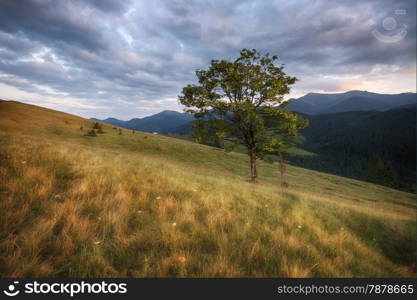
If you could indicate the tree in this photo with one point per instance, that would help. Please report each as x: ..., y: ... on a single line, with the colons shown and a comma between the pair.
x: 391, y: 177
x: 98, y: 127
x: 382, y: 173
x: 92, y: 132
x: 376, y: 169
x: 236, y: 102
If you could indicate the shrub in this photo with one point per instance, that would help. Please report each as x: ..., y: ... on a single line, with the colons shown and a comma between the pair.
x: 98, y: 127
x: 92, y: 132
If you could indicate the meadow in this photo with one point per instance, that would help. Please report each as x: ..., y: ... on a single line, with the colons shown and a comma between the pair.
x: 143, y: 205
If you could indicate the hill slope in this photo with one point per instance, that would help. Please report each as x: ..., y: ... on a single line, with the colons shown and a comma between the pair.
x: 138, y: 204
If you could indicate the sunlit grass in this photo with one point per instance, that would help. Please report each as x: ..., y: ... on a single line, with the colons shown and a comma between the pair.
x: 145, y: 205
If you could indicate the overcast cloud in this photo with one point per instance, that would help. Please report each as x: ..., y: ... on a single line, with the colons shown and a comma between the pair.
x: 129, y: 59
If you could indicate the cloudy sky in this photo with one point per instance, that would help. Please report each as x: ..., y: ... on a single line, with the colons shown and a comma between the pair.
x: 125, y: 59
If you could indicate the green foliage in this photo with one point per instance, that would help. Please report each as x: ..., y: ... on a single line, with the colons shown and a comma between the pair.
x: 98, y: 127
x: 346, y: 142
x: 236, y: 101
x: 382, y: 173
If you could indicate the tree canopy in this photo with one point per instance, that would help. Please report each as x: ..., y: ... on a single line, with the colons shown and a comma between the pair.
x: 241, y: 102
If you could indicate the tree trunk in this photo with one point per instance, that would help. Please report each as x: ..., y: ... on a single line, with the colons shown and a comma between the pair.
x: 282, y: 168
x: 253, y: 172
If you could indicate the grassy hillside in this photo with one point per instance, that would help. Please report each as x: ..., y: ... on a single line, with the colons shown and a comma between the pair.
x: 148, y: 205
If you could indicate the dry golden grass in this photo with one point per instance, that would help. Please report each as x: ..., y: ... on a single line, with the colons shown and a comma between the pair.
x: 111, y: 205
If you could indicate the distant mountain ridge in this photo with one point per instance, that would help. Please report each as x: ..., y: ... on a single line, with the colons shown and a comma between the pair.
x: 165, y: 122
x: 173, y: 122
x: 316, y: 103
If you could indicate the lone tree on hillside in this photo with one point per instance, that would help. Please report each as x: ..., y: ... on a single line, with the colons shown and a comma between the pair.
x: 236, y: 102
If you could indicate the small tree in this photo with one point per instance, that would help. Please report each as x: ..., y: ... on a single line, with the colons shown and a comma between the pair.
x: 282, y: 168
x: 92, y: 132
x: 98, y: 127
x: 381, y: 172
x: 237, y: 101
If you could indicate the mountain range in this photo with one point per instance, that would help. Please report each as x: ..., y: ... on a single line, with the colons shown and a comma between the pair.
x: 315, y: 103
x: 165, y: 122
x: 173, y: 122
